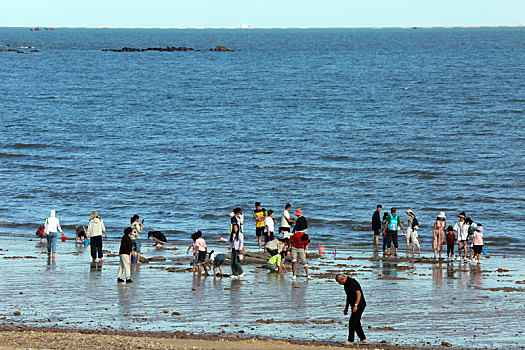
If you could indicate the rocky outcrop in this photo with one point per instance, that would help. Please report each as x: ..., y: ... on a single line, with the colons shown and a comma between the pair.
x: 160, y: 49
x: 221, y: 49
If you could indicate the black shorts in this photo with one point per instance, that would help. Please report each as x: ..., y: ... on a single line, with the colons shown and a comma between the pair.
x: 284, y: 229
x: 259, y: 231
x: 478, y: 249
x: 201, y: 257
x: 377, y: 232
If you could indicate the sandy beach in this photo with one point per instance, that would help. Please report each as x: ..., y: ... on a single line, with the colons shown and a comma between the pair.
x: 411, y: 302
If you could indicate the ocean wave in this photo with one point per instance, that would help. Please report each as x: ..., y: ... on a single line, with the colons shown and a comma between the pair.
x: 276, y: 166
x: 29, y: 145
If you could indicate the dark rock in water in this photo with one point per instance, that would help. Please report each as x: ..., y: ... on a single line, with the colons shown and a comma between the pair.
x: 12, y: 50
x: 143, y: 259
x: 157, y: 258
x: 160, y: 49
x: 221, y: 49
x: 35, y: 51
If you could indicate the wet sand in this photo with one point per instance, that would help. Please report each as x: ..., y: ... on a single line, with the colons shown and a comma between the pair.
x: 411, y: 302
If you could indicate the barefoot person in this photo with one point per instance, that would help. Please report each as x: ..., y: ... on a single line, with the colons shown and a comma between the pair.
x: 299, y: 243
x: 410, y: 222
x: 376, y: 223
x: 80, y: 233
x: 125, y: 254
x: 391, y: 228
x: 51, y: 230
x: 461, y: 228
x: 259, y: 214
x: 135, y: 235
x: 438, y: 233
x: 95, y: 229
x: 237, y: 246
x: 356, y: 300
x: 286, y: 222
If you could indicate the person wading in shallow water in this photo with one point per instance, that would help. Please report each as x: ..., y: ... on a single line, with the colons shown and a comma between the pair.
x: 355, y: 299
x: 376, y: 223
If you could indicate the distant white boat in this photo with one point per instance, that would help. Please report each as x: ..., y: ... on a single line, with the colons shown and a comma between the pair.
x: 245, y: 26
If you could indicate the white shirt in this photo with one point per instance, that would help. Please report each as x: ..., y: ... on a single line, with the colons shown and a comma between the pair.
x: 214, y: 255
x: 269, y: 224
x: 96, y: 227
x: 53, y: 225
x: 462, y: 229
x: 285, y: 218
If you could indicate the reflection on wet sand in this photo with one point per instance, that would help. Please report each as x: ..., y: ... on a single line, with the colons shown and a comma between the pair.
x: 398, y: 292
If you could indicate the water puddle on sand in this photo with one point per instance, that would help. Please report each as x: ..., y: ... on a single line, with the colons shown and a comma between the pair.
x: 408, y: 302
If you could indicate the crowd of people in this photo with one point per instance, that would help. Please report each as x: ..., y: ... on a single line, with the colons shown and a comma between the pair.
x: 293, y: 241
x: 466, y: 230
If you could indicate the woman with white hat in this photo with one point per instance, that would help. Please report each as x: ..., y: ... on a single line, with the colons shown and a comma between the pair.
x: 438, y: 232
x: 95, y: 229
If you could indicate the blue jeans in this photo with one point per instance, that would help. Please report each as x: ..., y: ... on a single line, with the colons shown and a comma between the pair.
x: 52, y: 242
x: 136, y: 244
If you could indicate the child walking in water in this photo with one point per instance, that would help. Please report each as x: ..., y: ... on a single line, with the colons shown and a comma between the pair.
x: 451, y: 241
x: 195, y: 250
x: 415, y: 241
x: 478, y: 244
x: 202, y: 249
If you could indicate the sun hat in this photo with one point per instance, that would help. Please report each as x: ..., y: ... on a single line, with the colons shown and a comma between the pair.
x: 409, y: 211
x: 298, y: 212
x: 94, y: 214
x: 462, y: 215
x: 479, y: 228
x: 442, y: 215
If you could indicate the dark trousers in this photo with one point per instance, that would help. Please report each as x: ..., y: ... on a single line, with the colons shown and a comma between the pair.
x: 391, y: 237
x: 384, y: 242
x: 355, y: 325
x: 96, y: 247
x: 236, y: 263
x: 450, y: 249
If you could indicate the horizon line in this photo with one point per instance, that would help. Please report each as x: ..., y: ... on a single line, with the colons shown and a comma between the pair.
x: 282, y: 28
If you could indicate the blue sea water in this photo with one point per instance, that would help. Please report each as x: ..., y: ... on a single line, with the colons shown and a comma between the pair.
x: 333, y: 121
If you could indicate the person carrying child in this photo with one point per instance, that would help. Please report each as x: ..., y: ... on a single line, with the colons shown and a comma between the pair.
x: 451, y: 241
x: 276, y: 263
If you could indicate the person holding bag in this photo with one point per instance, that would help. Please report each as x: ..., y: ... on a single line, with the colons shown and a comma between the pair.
x: 52, y: 227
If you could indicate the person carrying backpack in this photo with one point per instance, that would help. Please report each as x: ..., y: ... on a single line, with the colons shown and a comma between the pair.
x: 390, y: 230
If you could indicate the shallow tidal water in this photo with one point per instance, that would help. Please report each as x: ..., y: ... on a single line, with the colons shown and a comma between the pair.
x: 408, y: 302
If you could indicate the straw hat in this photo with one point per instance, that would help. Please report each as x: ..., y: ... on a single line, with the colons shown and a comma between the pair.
x: 94, y: 214
x: 442, y: 215
x: 409, y: 211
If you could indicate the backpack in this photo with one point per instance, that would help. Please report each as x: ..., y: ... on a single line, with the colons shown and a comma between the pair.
x: 415, y: 222
x: 392, y: 222
x: 40, y: 231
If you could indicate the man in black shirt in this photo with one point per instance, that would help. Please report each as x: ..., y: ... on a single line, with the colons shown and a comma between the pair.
x: 376, y: 223
x: 356, y: 299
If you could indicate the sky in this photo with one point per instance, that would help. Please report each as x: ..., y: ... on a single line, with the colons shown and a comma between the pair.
x: 260, y: 13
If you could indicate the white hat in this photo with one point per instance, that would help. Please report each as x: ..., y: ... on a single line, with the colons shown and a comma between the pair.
x: 442, y: 215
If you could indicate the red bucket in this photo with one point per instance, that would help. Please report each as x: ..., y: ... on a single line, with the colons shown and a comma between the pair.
x: 63, y: 238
